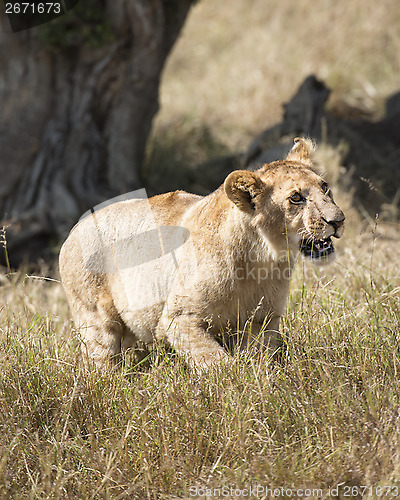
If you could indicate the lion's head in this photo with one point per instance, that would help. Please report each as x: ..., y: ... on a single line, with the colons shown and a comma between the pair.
x: 290, y: 203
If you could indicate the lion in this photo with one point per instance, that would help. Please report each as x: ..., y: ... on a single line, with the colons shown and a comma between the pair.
x: 186, y: 269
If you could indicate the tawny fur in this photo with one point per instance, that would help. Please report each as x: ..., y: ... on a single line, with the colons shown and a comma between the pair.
x: 236, y: 264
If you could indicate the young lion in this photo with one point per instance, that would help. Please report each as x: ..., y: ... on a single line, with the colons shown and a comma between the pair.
x: 184, y: 268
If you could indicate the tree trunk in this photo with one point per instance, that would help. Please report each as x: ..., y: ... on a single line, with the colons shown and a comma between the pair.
x: 74, y: 120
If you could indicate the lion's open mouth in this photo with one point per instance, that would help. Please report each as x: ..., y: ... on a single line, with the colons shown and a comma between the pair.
x: 317, y: 249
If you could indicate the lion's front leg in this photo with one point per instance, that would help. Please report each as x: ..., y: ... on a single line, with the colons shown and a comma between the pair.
x: 262, y: 337
x: 187, y: 336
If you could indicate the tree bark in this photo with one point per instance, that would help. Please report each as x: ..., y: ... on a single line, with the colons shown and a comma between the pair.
x: 74, y: 122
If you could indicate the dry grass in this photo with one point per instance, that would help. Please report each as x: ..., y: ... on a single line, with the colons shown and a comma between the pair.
x: 329, y: 413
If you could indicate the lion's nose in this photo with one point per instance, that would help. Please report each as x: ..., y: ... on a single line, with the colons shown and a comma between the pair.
x: 337, y: 224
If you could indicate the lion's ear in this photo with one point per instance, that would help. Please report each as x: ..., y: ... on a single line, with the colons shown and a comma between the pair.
x: 302, y: 150
x: 242, y: 187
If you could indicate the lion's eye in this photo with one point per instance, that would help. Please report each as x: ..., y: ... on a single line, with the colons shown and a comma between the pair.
x: 296, y: 198
x: 325, y: 188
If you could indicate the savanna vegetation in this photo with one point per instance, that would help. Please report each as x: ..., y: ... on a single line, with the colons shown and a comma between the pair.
x: 328, y: 414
